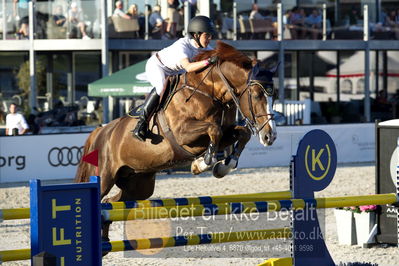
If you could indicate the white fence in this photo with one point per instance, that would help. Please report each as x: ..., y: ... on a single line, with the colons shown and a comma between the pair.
x: 295, y: 111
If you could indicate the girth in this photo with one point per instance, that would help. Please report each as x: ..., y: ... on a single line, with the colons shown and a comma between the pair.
x: 180, y: 154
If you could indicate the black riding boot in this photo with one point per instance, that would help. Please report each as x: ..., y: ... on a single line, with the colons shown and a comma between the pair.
x: 148, y: 108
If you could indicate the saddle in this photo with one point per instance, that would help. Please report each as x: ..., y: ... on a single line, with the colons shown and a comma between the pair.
x: 159, y: 119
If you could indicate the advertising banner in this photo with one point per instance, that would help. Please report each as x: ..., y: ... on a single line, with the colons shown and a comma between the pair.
x: 56, y: 156
x: 66, y: 222
x: 355, y: 144
x: 40, y: 156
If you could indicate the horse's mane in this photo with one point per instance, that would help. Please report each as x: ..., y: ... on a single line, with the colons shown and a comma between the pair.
x: 228, y: 53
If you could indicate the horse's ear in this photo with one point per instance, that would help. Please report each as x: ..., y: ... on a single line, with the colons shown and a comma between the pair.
x: 274, y: 69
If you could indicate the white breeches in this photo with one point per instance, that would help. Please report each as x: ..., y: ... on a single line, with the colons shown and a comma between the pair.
x: 156, y: 73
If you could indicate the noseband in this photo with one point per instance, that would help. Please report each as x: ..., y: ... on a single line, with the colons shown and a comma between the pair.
x: 267, y: 89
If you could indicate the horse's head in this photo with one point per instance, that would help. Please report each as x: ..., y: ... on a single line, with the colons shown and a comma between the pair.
x: 249, y: 85
x: 258, y: 105
x: 251, y: 88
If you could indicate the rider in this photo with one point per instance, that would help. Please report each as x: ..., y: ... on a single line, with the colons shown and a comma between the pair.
x: 172, y: 60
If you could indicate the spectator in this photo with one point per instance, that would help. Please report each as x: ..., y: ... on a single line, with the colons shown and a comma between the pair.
x: 2, y: 116
x: 302, y: 18
x: 353, y: 17
x: 118, y: 12
x: 381, y: 103
x: 381, y: 24
x: 15, y: 122
x: 382, y: 97
x: 227, y: 26
x: 286, y: 17
x: 272, y: 22
x: 21, y: 14
x: 393, y: 23
x: 155, y: 17
x: 193, y: 7
x: 59, y: 17
x: 156, y: 23
x: 255, y: 12
x: 180, y: 24
x: 395, y: 104
x: 397, y: 24
x: 383, y: 17
x: 133, y: 11
x: 75, y: 17
x: 216, y: 16
x: 313, y: 23
x: 296, y: 21
x: 173, y: 18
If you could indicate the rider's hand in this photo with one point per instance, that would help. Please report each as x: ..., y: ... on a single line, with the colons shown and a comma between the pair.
x: 212, y: 60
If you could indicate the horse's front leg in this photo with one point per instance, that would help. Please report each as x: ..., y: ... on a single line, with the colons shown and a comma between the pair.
x: 214, y: 131
x: 241, y: 135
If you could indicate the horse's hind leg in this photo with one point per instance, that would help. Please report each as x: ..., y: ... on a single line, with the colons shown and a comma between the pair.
x: 138, y: 186
x: 133, y: 186
x: 107, y: 182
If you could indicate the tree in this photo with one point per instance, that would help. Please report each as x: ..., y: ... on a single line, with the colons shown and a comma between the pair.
x: 23, y: 81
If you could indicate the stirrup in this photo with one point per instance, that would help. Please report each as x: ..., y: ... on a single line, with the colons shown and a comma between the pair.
x: 140, y: 131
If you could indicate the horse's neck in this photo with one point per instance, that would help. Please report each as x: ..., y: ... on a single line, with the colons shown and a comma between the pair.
x: 210, y: 81
x: 198, y: 85
x: 234, y: 80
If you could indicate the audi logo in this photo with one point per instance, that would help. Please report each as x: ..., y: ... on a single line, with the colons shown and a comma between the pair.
x: 65, y: 156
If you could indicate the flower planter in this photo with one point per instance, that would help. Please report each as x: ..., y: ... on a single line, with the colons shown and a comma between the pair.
x: 364, y: 223
x: 346, y: 229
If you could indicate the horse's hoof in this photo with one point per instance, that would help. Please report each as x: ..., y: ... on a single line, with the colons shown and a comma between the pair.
x: 220, y: 170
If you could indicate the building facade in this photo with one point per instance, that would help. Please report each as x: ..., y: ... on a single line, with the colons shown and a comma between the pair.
x: 336, y: 53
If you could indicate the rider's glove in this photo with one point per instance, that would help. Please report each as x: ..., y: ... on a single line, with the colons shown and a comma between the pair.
x: 212, y: 60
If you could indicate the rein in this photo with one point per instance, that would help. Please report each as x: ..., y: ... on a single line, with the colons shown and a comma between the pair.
x: 196, y: 88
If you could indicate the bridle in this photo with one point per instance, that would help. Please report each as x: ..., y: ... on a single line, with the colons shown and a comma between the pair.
x: 267, y: 89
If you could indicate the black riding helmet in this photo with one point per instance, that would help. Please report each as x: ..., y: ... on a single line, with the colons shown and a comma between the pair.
x: 200, y: 24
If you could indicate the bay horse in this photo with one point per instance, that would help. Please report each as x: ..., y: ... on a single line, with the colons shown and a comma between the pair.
x: 196, y: 121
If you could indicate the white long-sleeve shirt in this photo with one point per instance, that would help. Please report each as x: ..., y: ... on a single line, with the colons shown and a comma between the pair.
x: 172, y: 55
x: 16, y: 121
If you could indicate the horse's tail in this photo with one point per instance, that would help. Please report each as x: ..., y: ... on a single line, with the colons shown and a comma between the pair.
x: 83, y: 173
